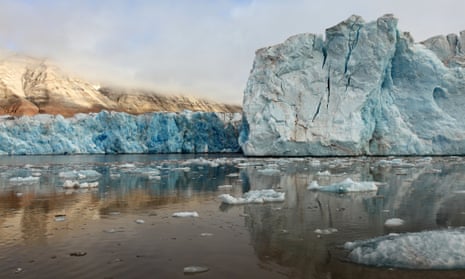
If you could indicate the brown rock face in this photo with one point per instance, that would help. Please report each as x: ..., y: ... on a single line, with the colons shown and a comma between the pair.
x: 29, y: 86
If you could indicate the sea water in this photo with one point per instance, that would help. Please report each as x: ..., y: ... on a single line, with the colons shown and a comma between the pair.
x: 118, y: 216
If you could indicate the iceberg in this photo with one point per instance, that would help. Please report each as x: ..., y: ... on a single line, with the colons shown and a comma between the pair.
x: 254, y: 196
x: 365, y: 88
x: 118, y: 132
x: 442, y: 249
x: 348, y: 185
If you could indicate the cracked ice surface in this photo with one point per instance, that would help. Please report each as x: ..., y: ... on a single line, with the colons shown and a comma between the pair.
x: 113, y: 132
x: 366, y: 88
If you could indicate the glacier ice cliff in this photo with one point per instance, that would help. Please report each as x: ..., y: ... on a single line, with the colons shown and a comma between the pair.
x: 117, y: 132
x: 364, y: 89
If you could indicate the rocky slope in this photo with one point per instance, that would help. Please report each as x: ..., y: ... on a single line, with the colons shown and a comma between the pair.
x: 367, y: 88
x: 29, y: 86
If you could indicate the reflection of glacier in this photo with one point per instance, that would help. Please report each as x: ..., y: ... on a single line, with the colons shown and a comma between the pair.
x: 112, y: 132
x: 428, y: 194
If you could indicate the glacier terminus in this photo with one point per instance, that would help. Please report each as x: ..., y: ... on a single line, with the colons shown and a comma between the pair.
x: 364, y: 89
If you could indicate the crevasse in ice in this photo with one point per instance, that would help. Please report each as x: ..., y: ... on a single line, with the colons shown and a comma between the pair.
x: 114, y: 132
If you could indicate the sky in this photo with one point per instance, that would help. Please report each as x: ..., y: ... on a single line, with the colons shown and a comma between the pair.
x: 203, y: 48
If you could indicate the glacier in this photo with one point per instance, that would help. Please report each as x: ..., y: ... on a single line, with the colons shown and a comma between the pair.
x: 118, y: 132
x: 363, y: 89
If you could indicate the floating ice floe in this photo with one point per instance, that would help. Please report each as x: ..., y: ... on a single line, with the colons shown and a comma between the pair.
x: 323, y: 173
x: 443, y: 249
x: 394, y: 222
x: 255, y: 196
x: 348, y: 185
x: 76, y: 184
x: 195, y: 269
x: 24, y: 180
x: 225, y: 187
x: 186, y: 214
x: 397, y: 162
x: 269, y: 171
x: 82, y: 174
x: 325, y: 231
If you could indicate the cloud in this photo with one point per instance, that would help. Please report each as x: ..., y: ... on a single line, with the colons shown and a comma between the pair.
x: 201, y: 47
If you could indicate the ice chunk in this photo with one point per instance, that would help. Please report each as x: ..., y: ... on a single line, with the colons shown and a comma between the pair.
x: 225, y: 186
x: 394, y: 222
x: 24, y: 180
x: 140, y: 221
x: 348, y: 185
x: 323, y: 173
x: 76, y: 184
x: 440, y: 249
x: 195, y: 269
x: 326, y: 231
x: 186, y: 214
x: 82, y: 174
x: 255, y: 196
x: 60, y: 217
x: 269, y: 171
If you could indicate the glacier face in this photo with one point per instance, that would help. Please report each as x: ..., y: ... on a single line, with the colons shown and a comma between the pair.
x: 366, y: 88
x: 116, y: 132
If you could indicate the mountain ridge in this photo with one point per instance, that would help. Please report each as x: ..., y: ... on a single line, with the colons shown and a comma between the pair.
x: 30, y: 86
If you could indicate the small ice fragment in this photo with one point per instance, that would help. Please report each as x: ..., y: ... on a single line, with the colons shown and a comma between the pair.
x: 60, y: 217
x: 269, y: 171
x: 195, y: 269
x: 24, y: 180
x: 254, y: 196
x: 225, y: 186
x: 323, y: 173
x: 71, y: 184
x: 140, y: 221
x: 348, y: 185
x: 326, y: 231
x: 184, y: 169
x: 233, y: 175
x: 186, y: 214
x: 394, y: 222
x: 18, y: 270
x: 206, y: 234
x: 19, y: 194
x: 127, y: 166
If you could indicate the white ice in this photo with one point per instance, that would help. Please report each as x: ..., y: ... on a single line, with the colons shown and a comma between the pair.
x: 348, y: 185
x: 394, y: 222
x: 440, y: 249
x: 186, y: 214
x: 255, y: 196
x: 24, y: 180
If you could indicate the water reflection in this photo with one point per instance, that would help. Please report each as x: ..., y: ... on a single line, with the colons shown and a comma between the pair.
x: 428, y: 193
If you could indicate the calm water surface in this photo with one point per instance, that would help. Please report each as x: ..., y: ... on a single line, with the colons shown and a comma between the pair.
x: 124, y: 228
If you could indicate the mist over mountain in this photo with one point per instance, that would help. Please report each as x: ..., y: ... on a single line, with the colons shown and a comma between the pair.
x: 30, y: 85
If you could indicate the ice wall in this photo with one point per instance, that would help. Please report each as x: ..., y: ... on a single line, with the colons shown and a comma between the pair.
x: 366, y: 88
x: 114, y: 132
